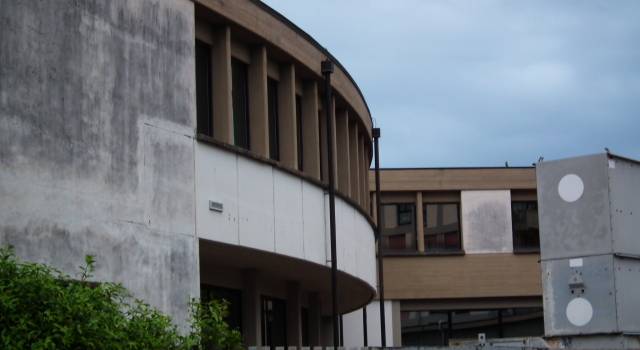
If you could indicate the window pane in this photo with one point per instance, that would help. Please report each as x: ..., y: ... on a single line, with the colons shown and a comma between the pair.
x: 203, y: 88
x: 398, y: 227
x: 240, y: 96
x: 274, y: 141
x: 441, y: 227
x: 524, y: 216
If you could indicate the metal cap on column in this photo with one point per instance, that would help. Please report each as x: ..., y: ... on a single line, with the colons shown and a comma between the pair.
x: 327, y: 70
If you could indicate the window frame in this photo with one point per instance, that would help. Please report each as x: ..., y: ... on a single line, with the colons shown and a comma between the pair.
x: 236, y: 64
x: 388, y: 250
x: 459, y: 249
x: 273, y: 116
x: 207, y: 129
x: 516, y: 248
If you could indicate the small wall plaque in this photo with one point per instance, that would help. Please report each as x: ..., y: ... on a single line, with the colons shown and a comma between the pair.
x: 215, y: 206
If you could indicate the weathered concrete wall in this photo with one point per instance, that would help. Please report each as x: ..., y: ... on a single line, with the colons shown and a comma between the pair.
x: 96, y: 141
x: 486, y: 221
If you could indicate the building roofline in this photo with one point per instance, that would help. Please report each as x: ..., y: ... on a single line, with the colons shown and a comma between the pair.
x: 459, y: 168
x: 315, y: 43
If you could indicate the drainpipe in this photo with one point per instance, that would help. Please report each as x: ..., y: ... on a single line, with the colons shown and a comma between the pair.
x: 383, y: 333
x: 364, y: 325
x: 327, y: 69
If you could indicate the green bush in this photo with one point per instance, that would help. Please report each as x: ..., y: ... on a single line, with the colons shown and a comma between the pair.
x: 42, y: 308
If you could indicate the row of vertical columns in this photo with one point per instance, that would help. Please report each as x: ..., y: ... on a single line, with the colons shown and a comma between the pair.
x: 350, y: 144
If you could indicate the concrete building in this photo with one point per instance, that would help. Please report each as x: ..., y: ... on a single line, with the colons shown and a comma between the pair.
x: 183, y: 143
x: 461, y: 252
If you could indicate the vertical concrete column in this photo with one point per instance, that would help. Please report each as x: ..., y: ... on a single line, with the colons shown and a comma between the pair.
x: 258, y: 103
x: 372, y: 210
x: 365, y: 166
x: 315, y: 320
x: 342, y: 150
x: 251, y: 308
x: 324, y: 159
x: 310, y: 132
x: 294, y: 318
x: 419, y: 222
x: 287, y: 116
x: 361, y: 164
x: 356, y: 175
x: 221, y: 89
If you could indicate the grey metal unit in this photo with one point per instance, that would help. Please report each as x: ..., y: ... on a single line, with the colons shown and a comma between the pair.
x: 589, y: 210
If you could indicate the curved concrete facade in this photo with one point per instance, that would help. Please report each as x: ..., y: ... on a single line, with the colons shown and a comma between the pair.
x: 101, y: 152
x: 271, y: 210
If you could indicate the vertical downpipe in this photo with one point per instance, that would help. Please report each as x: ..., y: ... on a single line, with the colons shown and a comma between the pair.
x: 327, y: 70
x: 383, y: 330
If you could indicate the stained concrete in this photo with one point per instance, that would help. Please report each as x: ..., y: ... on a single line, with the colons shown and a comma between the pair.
x: 97, y: 116
x: 486, y: 221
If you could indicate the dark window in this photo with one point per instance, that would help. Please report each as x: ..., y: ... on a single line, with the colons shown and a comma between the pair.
x: 204, y: 105
x: 438, y: 328
x: 441, y: 227
x: 274, y: 140
x: 299, y: 130
x: 398, y: 227
x: 524, y: 217
x: 240, y: 96
x: 232, y: 296
x: 274, y: 322
x: 304, y: 315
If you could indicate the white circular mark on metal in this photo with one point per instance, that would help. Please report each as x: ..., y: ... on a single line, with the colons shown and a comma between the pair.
x: 579, y: 312
x: 570, y: 188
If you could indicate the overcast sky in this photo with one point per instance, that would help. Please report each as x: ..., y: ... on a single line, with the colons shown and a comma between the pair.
x: 478, y: 83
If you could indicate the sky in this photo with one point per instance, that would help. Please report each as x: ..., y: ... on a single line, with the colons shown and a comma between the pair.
x: 480, y: 83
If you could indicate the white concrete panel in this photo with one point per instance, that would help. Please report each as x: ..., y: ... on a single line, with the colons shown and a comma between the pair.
x: 346, y: 236
x: 271, y: 210
x: 255, y: 209
x: 314, y: 224
x: 216, y: 180
x: 486, y: 221
x: 353, y: 327
x: 365, y: 250
x: 289, y: 235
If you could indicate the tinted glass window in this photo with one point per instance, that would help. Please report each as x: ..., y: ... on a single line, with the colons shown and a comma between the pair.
x: 398, y: 227
x: 524, y: 217
x: 274, y: 141
x: 203, y: 88
x: 441, y: 328
x: 441, y: 227
x: 240, y: 96
x: 274, y: 322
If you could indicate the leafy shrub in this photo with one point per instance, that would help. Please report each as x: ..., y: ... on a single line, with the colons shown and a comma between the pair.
x: 42, y: 308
